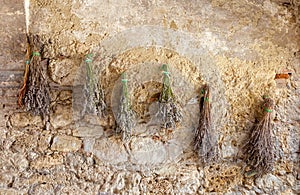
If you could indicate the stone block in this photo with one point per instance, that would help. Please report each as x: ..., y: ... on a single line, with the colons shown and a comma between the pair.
x: 110, y: 151
x: 47, y: 161
x: 61, y: 117
x: 147, y: 151
x: 24, y: 119
x: 88, y: 131
x: 62, y: 71
x: 64, y: 143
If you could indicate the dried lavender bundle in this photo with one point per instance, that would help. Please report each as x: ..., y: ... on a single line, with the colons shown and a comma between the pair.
x: 205, y: 139
x: 93, y: 89
x: 125, y: 116
x: 259, y: 150
x: 36, y: 92
x: 168, y: 112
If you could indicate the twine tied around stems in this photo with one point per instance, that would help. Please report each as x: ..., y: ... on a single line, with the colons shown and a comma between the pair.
x: 36, y: 53
x: 89, y: 58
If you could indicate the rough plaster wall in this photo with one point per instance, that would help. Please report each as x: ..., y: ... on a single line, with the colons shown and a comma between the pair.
x: 235, y: 46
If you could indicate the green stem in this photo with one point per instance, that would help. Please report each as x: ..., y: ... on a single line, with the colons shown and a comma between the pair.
x: 167, y: 93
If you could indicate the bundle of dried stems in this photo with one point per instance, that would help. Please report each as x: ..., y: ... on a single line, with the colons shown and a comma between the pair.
x: 125, y: 117
x: 205, y: 142
x: 35, y: 92
x: 93, y: 89
x: 259, y: 149
x: 169, y: 112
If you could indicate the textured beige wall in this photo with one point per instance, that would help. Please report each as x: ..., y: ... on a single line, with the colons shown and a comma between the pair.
x: 235, y: 46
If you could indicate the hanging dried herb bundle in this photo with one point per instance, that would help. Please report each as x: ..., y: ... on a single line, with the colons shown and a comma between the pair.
x: 35, y: 93
x: 205, y: 139
x: 94, y: 91
x: 168, y: 112
x: 259, y: 150
x: 125, y: 116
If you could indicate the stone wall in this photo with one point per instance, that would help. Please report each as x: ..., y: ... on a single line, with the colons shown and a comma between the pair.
x: 237, y: 47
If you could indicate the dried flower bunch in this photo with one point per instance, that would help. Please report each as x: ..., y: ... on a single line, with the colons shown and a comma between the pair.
x: 93, y: 89
x: 205, y: 143
x: 168, y: 112
x: 125, y: 116
x: 259, y: 150
x: 35, y: 92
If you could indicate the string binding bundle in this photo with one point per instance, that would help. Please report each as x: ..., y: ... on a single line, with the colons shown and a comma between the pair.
x: 34, y: 94
x: 259, y: 149
x: 205, y: 142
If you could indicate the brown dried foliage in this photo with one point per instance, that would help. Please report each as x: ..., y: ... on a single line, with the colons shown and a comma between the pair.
x: 259, y: 150
x: 205, y: 139
x: 35, y: 93
x: 26, y: 74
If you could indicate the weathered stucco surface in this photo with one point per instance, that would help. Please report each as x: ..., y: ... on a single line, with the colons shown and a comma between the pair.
x: 235, y: 46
